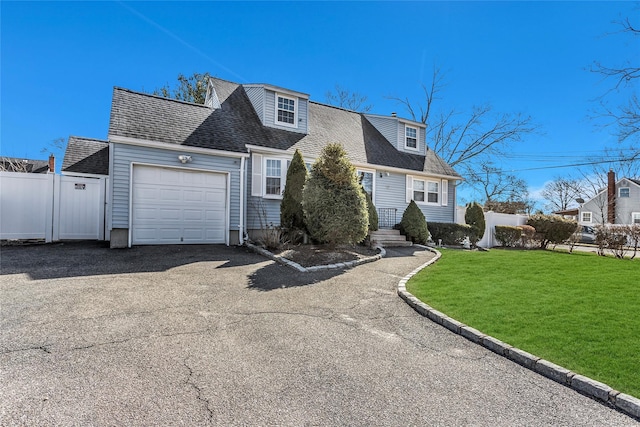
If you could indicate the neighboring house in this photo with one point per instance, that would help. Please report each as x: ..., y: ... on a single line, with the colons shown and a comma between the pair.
x: 619, y: 203
x: 16, y: 164
x: 214, y: 173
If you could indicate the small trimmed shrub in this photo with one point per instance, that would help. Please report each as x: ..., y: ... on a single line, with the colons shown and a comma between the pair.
x: 335, y: 208
x: 508, y: 235
x: 475, y: 218
x: 450, y: 233
x: 551, y: 229
x: 414, y: 224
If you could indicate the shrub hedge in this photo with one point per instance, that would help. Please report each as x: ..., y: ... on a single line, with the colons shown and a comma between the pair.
x: 450, y: 233
x: 508, y: 235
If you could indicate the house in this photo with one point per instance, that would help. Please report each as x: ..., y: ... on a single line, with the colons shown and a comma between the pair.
x: 619, y: 203
x: 214, y: 173
x: 16, y: 164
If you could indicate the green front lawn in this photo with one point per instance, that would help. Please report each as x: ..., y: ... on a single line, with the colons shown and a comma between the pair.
x: 579, y: 310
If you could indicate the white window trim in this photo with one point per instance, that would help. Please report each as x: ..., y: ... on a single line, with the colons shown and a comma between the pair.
x: 283, y: 176
x: 633, y: 215
x: 590, y: 217
x: 624, y: 188
x: 295, y: 111
x: 409, y: 187
x: 417, y: 129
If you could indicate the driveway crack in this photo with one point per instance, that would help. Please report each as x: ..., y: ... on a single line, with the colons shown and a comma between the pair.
x: 198, y: 391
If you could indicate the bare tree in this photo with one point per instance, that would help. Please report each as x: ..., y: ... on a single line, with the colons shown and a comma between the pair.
x: 499, y: 190
x: 469, y: 141
x: 343, y: 98
x: 561, y: 193
x: 189, y: 89
x: 9, y: 164
x: 626, y: 116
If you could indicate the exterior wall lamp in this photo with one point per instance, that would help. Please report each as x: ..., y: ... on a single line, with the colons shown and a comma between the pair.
x: 184, y: 158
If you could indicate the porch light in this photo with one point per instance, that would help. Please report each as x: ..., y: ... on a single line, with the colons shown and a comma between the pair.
x: 184, y: 158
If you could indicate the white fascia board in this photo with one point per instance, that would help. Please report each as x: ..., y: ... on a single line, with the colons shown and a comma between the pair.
x: 399, y: 119
x: 281, y: 90
x: 83, y: 175
x: 174, y: 147
x: 267, y: 150
x: 379, y: 168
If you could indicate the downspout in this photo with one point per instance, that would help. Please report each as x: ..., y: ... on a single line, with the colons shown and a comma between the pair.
x: 241, y: 225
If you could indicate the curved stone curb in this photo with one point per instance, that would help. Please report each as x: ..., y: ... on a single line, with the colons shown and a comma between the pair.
x: 587, y: 386
x: 298, y: 267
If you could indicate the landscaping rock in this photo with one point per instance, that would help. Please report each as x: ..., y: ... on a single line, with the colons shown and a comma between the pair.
x: 628, y: 404
x: 522, y: 357
x: 554, y: 372
x: 472, y: 334
x: 591, y: 388
x: 495, y: 345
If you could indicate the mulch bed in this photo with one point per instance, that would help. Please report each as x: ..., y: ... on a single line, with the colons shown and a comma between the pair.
x: 310, y: 255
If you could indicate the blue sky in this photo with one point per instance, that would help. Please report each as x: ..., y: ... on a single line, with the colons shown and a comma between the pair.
x: 60, y: 61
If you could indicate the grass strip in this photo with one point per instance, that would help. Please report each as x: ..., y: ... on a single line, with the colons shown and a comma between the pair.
x: 579, y: 310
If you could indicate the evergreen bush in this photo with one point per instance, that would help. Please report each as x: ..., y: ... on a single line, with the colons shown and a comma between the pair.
x: 475, y: 218
x: 414, y: 224
x: 373, y: 212
x: 335, y: 208
x: 291, y: 213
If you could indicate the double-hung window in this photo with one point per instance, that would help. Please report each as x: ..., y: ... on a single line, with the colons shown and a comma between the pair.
x: 427, y: 191
x: 285, y: 110
x: 411, y: 137
x: 635, y: 217
x: 585, y: 217
x: 273, y: 177
x: 623, y: 192
x: 432, y: 192
x: 418, y: 190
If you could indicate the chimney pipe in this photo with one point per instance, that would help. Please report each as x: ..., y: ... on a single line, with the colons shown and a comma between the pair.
x: 611, y: 197
x: 52, y: 163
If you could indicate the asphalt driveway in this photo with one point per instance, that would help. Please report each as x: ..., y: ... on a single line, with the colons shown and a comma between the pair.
x: 210, y: 335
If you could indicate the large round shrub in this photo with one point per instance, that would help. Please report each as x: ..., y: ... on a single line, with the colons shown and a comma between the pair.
x: 414, y: 224
x: 335, y: 208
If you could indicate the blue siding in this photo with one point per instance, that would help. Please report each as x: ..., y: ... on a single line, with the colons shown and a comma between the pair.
x: 387, y: 126
x: 256, y: 96
x: 391, y: 190
x: 124, y: 155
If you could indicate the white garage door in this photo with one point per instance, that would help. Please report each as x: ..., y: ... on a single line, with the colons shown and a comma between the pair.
x: 173, y: 206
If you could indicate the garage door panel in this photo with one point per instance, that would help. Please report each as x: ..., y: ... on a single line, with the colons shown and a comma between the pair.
x: 178, y: 206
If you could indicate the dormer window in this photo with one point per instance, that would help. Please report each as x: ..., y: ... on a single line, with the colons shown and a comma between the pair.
x: 411, y: 137
x: 285, y: 111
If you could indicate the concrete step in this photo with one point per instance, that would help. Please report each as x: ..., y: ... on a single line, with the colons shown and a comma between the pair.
x: 389, y: 238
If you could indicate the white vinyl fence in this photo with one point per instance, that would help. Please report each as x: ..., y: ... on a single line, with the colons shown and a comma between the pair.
x: 492, y: 219
x: 51, y: 207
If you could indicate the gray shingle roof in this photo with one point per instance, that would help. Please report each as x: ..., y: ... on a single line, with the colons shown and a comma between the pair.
x: 236, y: 124
x: 86, y: 155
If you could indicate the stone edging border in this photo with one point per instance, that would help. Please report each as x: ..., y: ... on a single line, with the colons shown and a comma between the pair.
x: 298, y: 267
x: 587, y: 386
